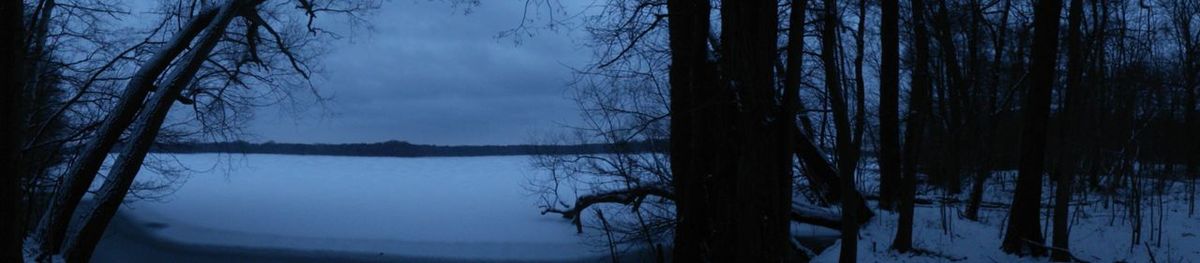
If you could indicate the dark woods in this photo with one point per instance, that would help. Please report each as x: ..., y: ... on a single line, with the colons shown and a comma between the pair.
x: 405, y: 149
x: 1082, y: 98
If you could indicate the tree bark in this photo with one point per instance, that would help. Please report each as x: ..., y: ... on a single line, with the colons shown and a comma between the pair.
x: 112, y: 193
x: 918, y: 112
x: 860, y: 87
x: 845, y: 145
x: 1070, y: 130
x: 75, y: 182
x: 692, y: 76
x: 12, y: 60
x: 795, y: 59
x: 889, y: 104
x: 1023, y: 235
x: 754, y: 220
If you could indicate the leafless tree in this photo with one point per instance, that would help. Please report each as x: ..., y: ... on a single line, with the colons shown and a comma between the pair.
x: 225, y: 56
x: 11, y: 125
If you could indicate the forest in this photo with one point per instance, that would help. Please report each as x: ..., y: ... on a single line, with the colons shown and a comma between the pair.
x: 396, y: 148
x: 712, y: 130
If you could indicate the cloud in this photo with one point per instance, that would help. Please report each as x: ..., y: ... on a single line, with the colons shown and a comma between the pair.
x: 429, y: 74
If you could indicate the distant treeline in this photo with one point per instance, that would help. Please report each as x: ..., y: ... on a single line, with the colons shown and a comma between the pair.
x: 404, y: 149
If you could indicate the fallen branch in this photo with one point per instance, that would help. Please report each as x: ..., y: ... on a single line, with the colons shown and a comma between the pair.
x: 926, y: 252
x: 801, y: 212
x: 1073, y: 257
x: 629, y: 196
x: 809, y: 214
x: 924, y: 201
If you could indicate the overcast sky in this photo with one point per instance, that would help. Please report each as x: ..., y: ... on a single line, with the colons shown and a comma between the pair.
x: 429, y: 74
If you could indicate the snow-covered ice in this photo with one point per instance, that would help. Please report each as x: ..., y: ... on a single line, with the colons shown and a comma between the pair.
x: 453, y: 208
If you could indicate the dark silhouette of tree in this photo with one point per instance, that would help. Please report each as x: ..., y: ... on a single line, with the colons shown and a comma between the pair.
x: 1023, y: 235
x: 952, y: 97
x: 693, y: 82
x: 987, y: 121
x: 129, y: 162
x: 889, y: 104
x: 918, y: 112
x: 12, y: 60
x: 52, y: 230
x: 753, y: 224
x: 845, y: 143
x: 197, y: 60
x: 1070, y: 133
x: 731, y: 161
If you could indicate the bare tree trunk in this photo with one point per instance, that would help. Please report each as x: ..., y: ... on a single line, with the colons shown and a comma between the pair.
x: 860, y: 87
x: 918, y: 112
x: 845, y: 144
x: 755, y: 222
x: 1023, y: 234
x: 889, y: 104
x: 1193, y: 159
x: 795, y: 59
x: 953, y: 104
x: 75, y: 182
x: 12, y: 60
x: 127, y: 165
x: 1191, y: 64
x: 36, y: 42
x: 1070, y: 150
x: 692, y: 75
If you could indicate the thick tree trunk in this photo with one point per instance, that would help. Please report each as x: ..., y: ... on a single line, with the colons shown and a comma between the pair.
x: 889, y: 104
x: 75, y: 182
x: 127, y: 165
x: 1023, y: 235
x: 691, y: 75
x: 918, y: 112
x: 754, y: 219
x: 732, y: 168
x: 1070, y: 131
x: 12, y: 60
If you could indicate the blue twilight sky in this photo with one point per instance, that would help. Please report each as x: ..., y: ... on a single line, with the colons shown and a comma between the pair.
x: 429, y: 74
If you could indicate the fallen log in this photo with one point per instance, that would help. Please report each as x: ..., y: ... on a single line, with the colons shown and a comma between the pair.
x: 822, y: 177
x: 812, y: 215
x: 801, y: 212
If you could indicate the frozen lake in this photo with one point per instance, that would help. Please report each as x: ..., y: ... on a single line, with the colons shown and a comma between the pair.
x: 361, y: 208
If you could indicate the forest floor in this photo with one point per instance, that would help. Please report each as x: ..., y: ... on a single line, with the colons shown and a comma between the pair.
x: 1103, y: 228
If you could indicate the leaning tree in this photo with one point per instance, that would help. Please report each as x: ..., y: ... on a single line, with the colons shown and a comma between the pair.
x: 221, y: 57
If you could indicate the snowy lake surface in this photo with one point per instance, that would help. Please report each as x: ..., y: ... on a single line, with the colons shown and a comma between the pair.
x: 450, y: 208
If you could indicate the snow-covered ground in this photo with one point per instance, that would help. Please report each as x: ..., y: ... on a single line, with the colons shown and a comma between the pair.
x: 471, y: 208
x: 1098, y: 234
